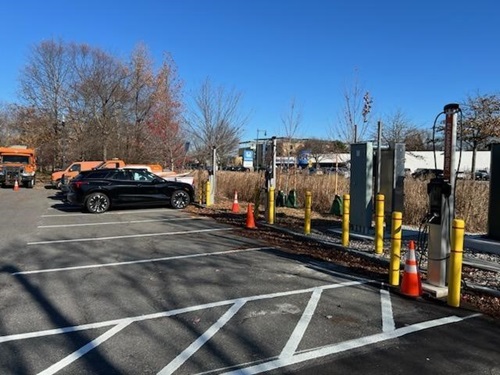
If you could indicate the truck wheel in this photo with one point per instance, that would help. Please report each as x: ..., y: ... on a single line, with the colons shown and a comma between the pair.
x: 30, y: 184
x: 97, y: 203
x: 180, y: 199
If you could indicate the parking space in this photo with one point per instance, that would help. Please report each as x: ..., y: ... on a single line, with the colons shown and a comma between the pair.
x: 161, y: 291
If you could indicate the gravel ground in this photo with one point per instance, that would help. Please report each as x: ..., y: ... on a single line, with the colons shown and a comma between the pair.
x: 480, y: 286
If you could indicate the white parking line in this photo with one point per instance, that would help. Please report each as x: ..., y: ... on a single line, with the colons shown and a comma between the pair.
x: 272, y: 363
x: 56, y: 367
x: 117, y: 222
x: 166, y: 314
x: 164, y: 259
x: 129, y: 236
x: 294, y: 340
x: 106, y: 213
x: 200, y: 341
x: 346, y: 345
x: 387, y: 315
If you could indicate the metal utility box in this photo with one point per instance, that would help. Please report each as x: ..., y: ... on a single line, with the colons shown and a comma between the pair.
x: 361, y: 187
x: 392, y: 176
x: 494, y: 205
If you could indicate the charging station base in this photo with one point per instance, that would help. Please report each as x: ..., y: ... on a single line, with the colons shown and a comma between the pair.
x: 435, y: 291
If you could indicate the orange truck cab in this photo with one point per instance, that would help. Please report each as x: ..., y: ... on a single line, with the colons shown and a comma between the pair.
x: 61, y: 178
x: 17, y: 164
x: 71, y: 172
x: 118, y: 163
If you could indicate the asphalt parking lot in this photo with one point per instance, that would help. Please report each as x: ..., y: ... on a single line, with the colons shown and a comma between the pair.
x: 161, y: 291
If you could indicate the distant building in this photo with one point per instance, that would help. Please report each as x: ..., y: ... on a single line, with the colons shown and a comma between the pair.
x: 425, y: 159
x: 288, y: 153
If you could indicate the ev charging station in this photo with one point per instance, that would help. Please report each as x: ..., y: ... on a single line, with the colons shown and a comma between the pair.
x: 441, y: 191
x: 212, y: 176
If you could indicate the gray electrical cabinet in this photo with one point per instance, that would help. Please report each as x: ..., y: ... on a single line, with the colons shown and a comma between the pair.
x: 361, y: 187
x: 392, y: 176
x: 494, y: 205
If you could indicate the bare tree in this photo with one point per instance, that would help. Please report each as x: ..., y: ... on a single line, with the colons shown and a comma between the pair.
x: 481, y: 122
x: 108, y: 103
x: 291, y: 121
x: 100, y: 93
x: 8, y: 130
x: 398, y: 128
x: 354, y: 119
x: 215, y: 120
x: 44, y: 84
x: 142, y: 91
x: 317, y: 149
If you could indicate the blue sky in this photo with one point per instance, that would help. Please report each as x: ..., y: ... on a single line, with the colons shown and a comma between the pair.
x: 415, y: 56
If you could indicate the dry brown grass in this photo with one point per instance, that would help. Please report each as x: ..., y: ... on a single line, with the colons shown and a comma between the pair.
x: 471, y: 196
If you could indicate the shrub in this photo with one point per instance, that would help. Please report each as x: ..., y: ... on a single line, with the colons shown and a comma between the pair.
x: 470, y: 196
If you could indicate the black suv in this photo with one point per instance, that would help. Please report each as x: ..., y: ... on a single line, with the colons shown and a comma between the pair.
x: 98, y: 190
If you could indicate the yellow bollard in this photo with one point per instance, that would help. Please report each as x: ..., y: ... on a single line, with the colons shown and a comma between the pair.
x: 208, y: 202
x: 395, y: 261
x: 455, y: 269
x: 270, y: 205
x: 379, y: 224
x: 201, y: 192
x: 345, y: 219
x: 307, y: 216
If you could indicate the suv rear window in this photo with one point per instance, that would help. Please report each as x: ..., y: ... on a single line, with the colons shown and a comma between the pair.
x: 94, y: 174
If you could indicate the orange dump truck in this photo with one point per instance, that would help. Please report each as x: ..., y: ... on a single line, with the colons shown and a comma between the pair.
x: 17, y: 164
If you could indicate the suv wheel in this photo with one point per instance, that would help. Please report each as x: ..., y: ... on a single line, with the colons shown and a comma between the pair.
x: 97, y: 203
x: 180, y: 199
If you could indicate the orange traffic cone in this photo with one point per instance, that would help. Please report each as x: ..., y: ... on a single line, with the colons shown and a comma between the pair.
x: 16, y: 186
x: 411, y: 285
x: 236, y: 205
x: 250, y: 220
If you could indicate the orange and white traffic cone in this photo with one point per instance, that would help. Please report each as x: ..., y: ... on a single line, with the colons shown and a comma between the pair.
x: 16, y: 186
x: 236, y: 205
x: 250, y: 219
x: 411, y: 285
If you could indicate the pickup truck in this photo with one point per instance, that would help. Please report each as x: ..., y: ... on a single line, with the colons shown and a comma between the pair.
x: 59, y: 177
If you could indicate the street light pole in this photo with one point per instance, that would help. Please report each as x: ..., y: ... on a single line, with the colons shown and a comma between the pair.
x: 257, y: 147
x: 63, y: 125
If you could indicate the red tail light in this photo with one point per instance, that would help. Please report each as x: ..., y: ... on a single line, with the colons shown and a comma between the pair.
x: 78, y: 184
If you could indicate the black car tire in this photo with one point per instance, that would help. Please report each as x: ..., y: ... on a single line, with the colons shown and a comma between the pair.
x: 180, y: 199
x: 97, y: 203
